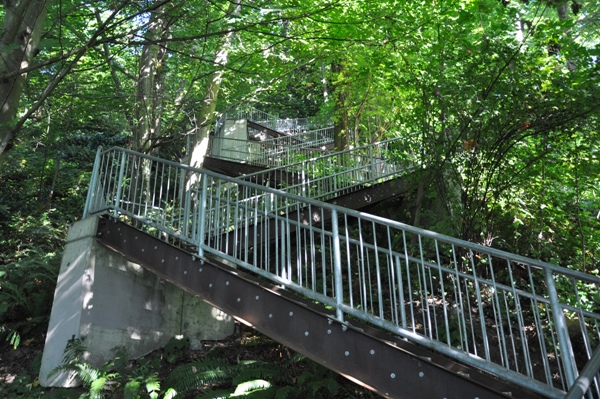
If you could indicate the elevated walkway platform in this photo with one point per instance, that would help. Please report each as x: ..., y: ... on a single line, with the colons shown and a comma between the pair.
x: 255, y: 137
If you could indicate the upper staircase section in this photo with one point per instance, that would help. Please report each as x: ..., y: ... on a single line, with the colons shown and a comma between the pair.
x: 255, y: 137
x: 522, y: 321
x: 288, y: 126
x: 296, y: 164
x: 329, y: 175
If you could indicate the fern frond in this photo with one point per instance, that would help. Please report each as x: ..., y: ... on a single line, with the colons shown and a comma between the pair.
x: 86, y: 372
x: 170, y: 394
x: 121, y: 359
x: 132, y: 389
x: 152, y: 386
x: 215, y: 394
x: 12, y: 293
x: 330, y: 385
x: 97, y: 387
x: 254, y: 370
x: 247, y: 387
x: 43, y: 270
x: 305, y: 378
x: 191, y: 376
x: 74, y: 350
x: 286, y: 392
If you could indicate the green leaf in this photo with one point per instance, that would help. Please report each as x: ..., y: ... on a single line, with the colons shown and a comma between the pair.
x: 170, y: 394
x: 97, y: 387
x: 249, y: 386
x: 132, y: 389
x: 14, y: 338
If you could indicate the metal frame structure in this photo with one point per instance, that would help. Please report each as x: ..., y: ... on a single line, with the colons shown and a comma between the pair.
x: 273, y: 122
x: 330, y: 175
x: 270, y: 141
x: 274, y: 151
x: 386, y: 364
x: 517, y: 318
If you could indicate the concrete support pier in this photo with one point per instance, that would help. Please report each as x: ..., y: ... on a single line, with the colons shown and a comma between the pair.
x: 108, y: 301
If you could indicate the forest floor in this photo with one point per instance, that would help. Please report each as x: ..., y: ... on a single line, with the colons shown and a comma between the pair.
x: 19, y: 368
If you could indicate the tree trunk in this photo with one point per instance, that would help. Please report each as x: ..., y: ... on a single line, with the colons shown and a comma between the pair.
x: 151, y: 82
x: 341, y: 130
x: 23, y: 22
x: 209, y: 103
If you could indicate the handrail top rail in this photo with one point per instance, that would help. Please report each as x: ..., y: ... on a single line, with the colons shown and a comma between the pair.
x: 588, y: 278
x: 325, y: 156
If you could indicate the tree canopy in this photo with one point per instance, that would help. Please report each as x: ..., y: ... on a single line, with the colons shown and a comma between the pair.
x: 498, y: 99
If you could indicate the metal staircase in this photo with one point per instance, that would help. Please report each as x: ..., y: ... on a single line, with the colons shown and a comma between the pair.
x: 407, y: 312
x: 257, y: 138
x: 285, y: 126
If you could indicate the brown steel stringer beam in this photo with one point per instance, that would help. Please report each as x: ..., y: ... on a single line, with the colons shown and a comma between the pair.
x: 386, y: 364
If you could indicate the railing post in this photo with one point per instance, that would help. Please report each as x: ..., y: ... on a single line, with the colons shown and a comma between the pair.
x: 587, y: 376
x: 186, y: 190
x: 202, y: 215
x: 119, y: 185
x: 372, y: 166
x: 337, y: 266
x: 91, y: 194
x: 566, y: 350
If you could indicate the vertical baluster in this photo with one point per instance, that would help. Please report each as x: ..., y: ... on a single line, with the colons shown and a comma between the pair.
x: 337, y: 265
x: 202, y: 215
x: 566, y: 351
x: 119, y: 185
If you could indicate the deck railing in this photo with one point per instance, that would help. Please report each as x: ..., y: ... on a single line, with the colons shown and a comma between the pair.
x: 300, y: 125
x: 529, y: 322
x: 272, y: 152
x: 305, y: 139
x: 249, y: 113
x: 273, y: 122
x: 324, y: 176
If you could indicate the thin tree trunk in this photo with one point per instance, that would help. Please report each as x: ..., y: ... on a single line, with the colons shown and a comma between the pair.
x: 50, y: 198
x: 151, y: 82
x: 341, y: 130
x: 114, y: 68
x: 209, y: 103
x: 23, y: 22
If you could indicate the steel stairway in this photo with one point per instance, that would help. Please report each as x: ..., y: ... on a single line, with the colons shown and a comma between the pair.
x: 443, y: 319
x: 388, y: 365
x: 356, y: 178
x: 250, y: 136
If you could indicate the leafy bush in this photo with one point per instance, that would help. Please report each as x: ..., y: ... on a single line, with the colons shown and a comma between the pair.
x: 26, y: 294
x: 216, y: 374
x: 213, y: 377
x: 115, y: 379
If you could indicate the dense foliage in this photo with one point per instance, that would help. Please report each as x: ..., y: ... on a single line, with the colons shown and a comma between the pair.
x: 499, y: 99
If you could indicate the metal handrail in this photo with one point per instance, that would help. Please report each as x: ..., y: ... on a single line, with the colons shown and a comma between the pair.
x: 249, y: 113
x: 271, y: 152
x: 323, y: 176
x: 586, y: 378
x: 286, y: 125
x: 299, y: 125
x: 301, y: 139
x: 318, y: 174
x: 521, y: 319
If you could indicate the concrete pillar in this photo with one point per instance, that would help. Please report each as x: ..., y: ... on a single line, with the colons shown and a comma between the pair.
x: 108, y: 301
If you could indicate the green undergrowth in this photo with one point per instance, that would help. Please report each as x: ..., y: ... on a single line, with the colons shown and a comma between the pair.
x: 246, y: 365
